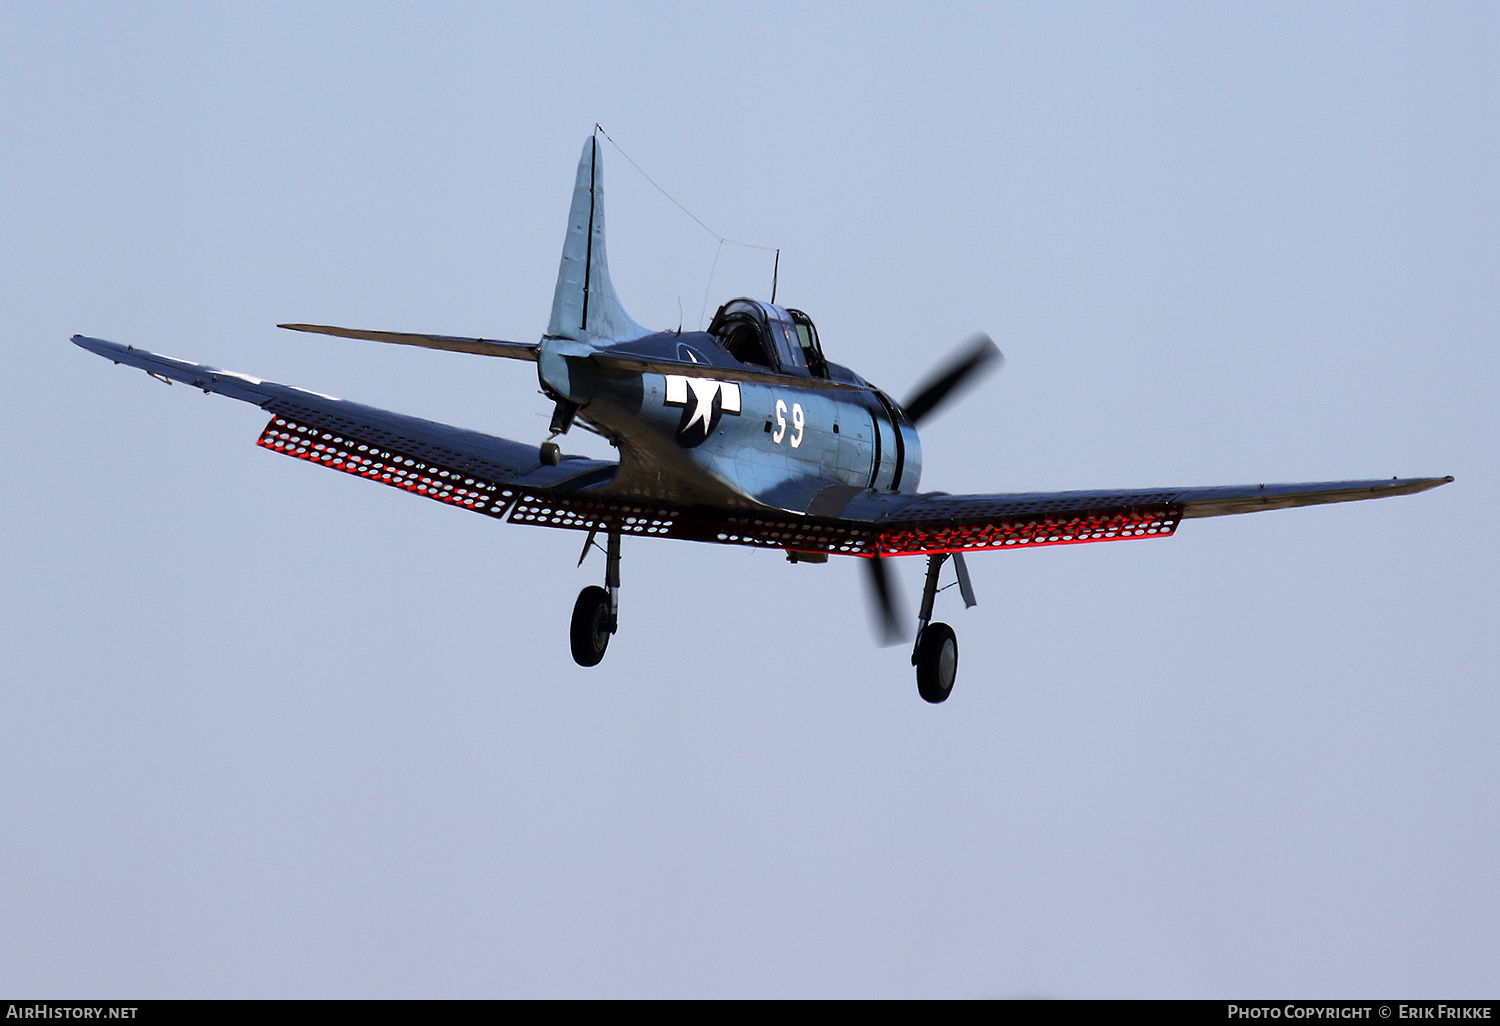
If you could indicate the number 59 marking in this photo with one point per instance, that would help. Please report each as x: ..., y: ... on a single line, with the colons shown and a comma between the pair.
x: 799, y: 421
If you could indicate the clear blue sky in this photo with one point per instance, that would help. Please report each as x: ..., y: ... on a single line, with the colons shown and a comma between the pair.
x: 274, y: 731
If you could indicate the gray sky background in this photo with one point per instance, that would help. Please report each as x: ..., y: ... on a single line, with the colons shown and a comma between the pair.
x: 273, y: 731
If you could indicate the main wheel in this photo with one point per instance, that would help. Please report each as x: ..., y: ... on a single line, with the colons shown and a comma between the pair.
x: 937, y: 662
x: 592, y: 626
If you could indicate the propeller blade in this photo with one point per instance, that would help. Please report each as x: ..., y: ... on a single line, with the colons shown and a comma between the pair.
x: 976, y: 353
x: 884, y: 603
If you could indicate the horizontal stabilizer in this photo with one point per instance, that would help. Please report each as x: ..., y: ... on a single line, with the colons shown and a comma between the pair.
x: 620, y: 363
x: 452, y: 343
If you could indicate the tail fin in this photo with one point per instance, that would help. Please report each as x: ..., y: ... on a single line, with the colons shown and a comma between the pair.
x: 584, y: 305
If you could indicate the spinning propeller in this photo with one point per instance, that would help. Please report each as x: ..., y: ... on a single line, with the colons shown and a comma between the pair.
x: 959, y: 371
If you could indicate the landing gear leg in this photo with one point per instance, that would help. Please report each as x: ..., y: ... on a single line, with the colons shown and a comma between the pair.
x: 935, y: 654
x: 596, y: 613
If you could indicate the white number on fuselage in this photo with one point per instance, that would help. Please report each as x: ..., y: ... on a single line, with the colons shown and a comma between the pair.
x: 799, y: 421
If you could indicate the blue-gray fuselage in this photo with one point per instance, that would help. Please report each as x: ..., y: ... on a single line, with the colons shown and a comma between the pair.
x: 777, y: 429
x: 780, y: 427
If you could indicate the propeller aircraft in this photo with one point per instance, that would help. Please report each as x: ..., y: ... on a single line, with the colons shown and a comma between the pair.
x: 744, y: 434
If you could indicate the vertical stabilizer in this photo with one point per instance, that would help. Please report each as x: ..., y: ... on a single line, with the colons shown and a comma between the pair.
x: 584, y: 305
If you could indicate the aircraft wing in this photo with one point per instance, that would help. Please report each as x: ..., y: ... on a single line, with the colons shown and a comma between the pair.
x: 506, y: 479
x: 937, y: 522
x: 462, y: 468
x: 843, y: 520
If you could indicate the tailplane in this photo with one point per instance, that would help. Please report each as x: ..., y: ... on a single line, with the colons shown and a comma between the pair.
x: 584, y: 305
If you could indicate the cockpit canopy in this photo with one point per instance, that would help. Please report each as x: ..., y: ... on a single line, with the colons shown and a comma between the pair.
x: 764, y: 335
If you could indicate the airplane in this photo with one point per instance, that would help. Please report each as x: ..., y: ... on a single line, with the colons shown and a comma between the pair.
x: 744, y: 434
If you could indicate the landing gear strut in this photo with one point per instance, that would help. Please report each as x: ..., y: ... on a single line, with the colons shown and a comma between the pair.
x: 935, y: 654
x: 596, y: 613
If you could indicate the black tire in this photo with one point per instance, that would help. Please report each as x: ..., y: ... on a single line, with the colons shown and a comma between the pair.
x: 937, y: 662
x: 592, y: 626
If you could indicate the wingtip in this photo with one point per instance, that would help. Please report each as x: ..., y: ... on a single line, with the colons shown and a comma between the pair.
x: 1422, y: 484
